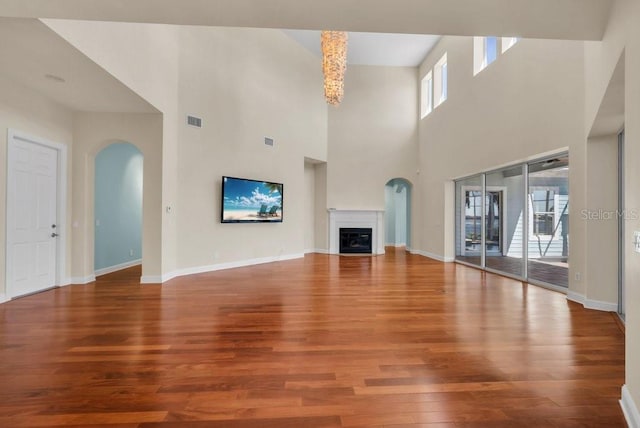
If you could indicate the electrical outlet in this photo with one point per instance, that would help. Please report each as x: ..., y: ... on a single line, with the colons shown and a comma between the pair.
x: 577, y: 276
x: 131, y: 252
x: 636, y: 241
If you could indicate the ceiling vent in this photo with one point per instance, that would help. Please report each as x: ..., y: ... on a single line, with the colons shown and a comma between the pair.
x: 194, y: 121
x: 268, y: 141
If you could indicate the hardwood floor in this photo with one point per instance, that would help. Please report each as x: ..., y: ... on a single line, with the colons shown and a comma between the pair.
x: 325, y: 341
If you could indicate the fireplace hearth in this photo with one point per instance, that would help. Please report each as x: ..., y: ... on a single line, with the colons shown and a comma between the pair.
x: 356, y: 240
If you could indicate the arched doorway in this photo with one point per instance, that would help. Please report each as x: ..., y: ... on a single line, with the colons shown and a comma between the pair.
x: 398, y: 213
x: 118, y: 208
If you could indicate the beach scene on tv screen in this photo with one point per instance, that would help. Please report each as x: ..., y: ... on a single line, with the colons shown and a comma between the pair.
x: 246, y: 200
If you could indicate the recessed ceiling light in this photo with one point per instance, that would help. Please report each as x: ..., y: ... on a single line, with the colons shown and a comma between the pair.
x: 55, y: 78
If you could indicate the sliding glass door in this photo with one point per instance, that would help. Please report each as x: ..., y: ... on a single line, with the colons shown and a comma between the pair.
x: 548, y: 206
x: 514, y: 221
x: 506, y: 212
x: 469, y: 220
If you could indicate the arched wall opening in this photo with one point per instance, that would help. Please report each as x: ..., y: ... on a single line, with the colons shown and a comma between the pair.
x: 118, y: 218
x: 398, y: 213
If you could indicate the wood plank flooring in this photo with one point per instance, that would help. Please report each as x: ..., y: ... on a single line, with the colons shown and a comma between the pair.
x: 325, y: 341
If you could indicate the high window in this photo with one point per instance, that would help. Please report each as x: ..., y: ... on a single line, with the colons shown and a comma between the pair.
x: 426, y: 95
x: 434, y: 87
x: 485, y: 51
x: 440, y: 80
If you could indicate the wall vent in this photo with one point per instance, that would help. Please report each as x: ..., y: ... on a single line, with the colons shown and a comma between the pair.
x: 268, y: 141
x: 194, y: 121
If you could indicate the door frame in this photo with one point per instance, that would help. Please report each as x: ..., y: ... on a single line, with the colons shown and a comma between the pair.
x: 61, y: 208
x: 503, y: 217
x: 621, y: 227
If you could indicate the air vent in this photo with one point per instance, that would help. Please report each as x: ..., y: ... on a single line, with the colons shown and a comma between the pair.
x: 268, y: 141
x: 194, y: 121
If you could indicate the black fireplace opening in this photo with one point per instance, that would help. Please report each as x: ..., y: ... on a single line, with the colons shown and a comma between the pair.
x: 355, y: 240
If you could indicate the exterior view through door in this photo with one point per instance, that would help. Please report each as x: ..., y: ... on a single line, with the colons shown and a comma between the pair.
x: 32, y: 224
x: 514, y: 221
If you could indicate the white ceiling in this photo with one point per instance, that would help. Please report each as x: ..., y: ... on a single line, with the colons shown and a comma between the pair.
x: 554, y: 19
x: 30, y: 50
x: 401, y: 50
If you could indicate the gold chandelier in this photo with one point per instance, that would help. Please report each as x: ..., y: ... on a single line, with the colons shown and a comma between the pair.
x: 334, y: 64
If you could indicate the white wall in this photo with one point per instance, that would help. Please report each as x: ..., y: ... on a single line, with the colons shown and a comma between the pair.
x: 623, y: 37
x: 28, y: 112
x: 250, y: 84
x: 372, y: 137
x: 144, y: 57
x: 528, y: 102
x: 632, y: 200
x: 309, y: 207
x: 601, y: 220
x: 321, y: 215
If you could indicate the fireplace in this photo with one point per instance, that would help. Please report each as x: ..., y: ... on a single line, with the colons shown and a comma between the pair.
x: 356, y: 240
x: 373, y: 220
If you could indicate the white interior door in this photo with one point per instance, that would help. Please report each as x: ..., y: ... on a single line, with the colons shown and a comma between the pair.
x: 32, y: 225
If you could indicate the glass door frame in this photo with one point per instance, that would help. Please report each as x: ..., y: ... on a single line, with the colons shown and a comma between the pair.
x: 483, y: 207
x: 621, y: 227
x: 525, y: 222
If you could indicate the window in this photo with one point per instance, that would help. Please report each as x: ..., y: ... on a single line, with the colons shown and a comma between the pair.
x: 440, y: 79
x: 433, y: 90
x: 508, y: 42
x: 485, y: 51
x: 426, y: 95
x: 542, y: 203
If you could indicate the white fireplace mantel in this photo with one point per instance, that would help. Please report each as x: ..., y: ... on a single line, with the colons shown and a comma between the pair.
x: 373, y: 219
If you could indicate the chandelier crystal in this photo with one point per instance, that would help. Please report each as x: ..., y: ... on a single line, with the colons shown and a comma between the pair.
x: 334, y: 64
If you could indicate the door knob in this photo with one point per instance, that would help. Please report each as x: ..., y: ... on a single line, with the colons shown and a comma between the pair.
x: 53, y: 235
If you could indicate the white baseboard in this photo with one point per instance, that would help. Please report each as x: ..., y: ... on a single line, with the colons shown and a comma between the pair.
x: 118, y: 267
x: 591, y: 304
x: 601, y: 306
x: 151, y: 279
x: 81, y: 281
x: 65, y: 282
x: 393, y: 244
x: 4, y: 298
x: 316, y: 251
x: 433, y: 256
x: 576, y: 297
x: 629, y: 408
x: 220, y: 266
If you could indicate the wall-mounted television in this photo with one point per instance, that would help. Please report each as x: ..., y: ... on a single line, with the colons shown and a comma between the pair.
x: 251, y: 201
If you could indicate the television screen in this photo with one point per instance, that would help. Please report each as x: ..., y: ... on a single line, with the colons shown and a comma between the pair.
x: 251, y: 201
